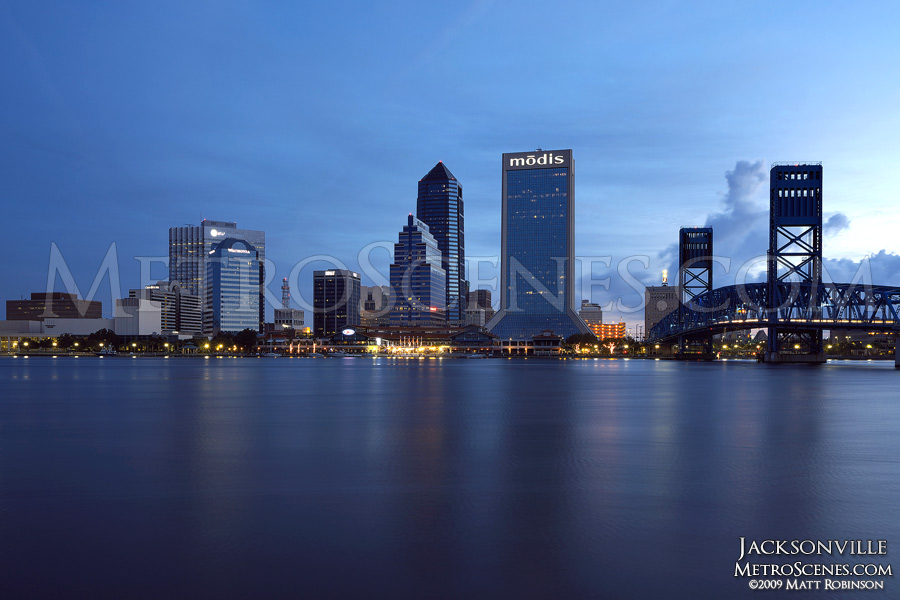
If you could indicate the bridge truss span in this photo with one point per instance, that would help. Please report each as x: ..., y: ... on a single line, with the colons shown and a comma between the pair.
x: 795, y: 307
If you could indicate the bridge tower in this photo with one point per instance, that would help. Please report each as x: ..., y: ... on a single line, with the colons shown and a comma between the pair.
x: 794, y: 255
x: 695, y: 251
x: 695, y: 269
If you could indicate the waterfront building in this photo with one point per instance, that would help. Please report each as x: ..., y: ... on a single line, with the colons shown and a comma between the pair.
x: 13, y: 332
x: 440, y: 206
x: 335, y: 301
x: 189, y: 251
x: 138, y: 316
x: 537, y: 247
x: 289, y: 318
x: 610, y: 331
x: 434, y: 339
x: 181, y: 312
x: 54, y: 305
x: 418, y: 294
x: 592, y: 315
x: 232, y: 287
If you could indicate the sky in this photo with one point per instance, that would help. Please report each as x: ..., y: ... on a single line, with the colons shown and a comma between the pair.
x: 314, y: 123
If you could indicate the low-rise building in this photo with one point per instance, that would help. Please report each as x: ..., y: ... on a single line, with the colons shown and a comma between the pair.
x: 53, y: 305
x: 289, y: 318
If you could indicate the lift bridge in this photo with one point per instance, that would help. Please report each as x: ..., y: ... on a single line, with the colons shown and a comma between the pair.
x: 794, y: 305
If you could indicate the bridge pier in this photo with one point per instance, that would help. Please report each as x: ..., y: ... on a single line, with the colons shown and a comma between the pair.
x: 897, y: 351
x: 799, y: 359
x: 775, y: 350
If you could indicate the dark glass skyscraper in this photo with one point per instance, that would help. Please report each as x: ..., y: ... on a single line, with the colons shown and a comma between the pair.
x: 538, y: 256
x: 440, y: 206
x: 335, y: 301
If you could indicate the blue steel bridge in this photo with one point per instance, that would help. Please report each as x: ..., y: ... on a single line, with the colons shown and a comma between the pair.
x: 794, y: 305
x: 799, y: 306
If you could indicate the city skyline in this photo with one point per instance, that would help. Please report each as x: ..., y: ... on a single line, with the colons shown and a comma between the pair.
x: 125, y: 123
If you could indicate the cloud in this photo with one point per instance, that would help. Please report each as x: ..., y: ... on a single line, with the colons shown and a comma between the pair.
x: 879, y: 269
x: 741, y: 229
x: 740, y: 239
x: 837, y: 223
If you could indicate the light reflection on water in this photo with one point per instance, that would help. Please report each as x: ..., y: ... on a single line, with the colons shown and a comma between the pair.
x: 444, y: 478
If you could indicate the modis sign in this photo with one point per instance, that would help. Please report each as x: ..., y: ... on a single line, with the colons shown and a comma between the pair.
x: 537, y: 159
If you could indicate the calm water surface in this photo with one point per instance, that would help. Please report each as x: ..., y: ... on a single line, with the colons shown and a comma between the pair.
x: 364, y: 478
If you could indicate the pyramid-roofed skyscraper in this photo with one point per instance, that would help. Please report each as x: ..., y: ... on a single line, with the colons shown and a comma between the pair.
x: 440, y: 206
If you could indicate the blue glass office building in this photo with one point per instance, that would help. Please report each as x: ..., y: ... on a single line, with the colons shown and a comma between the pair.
x: 189, y: 249
x: 440, y: 206
x: 232, y: 278
x: 417, y: 279
x: 537, y: 254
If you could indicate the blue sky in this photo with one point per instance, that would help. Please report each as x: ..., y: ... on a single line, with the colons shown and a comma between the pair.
x: 119, y: 120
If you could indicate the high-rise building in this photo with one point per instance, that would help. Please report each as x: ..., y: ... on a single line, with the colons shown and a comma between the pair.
x: 232, y: 286
x: 190, y: 247
x: 335, y: 301
x: 537, y: 247
x: 592, y: 315
x: 440, y: 206
x: 417, y: 279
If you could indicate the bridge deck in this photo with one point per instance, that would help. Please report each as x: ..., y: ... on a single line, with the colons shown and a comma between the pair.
x: 795, y: 306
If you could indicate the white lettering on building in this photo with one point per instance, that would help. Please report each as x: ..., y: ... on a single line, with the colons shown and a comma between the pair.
x: 532, y: 160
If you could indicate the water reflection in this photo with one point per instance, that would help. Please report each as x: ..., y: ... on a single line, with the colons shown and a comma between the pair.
x: 433, y: 478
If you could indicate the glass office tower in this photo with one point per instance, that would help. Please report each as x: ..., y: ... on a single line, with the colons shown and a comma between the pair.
x: 538, y: 261
x: 417, y: 279
x: 440, y: 206
x: 189, y: 248
x: 232, y: 284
